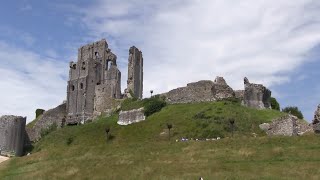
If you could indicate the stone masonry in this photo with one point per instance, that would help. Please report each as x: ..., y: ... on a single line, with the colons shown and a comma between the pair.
x: 135, y: 72
x: 316, y: 120
x: 132, y: 116
x: 95, y: 81
x: 201, y: 91
x: 55, y: 116
x: 256, y: 95
x: 288, y: 125
x: 12, y: 134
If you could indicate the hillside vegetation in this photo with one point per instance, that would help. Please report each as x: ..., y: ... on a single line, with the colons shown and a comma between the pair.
x: 144, y: 151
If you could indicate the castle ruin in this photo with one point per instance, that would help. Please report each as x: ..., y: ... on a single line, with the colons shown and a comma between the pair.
x: 95, y: 81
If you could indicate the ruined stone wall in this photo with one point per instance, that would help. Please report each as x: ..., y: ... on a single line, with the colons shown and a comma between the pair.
x: 193, y: 92
x: 201, y: 91
x: 12, y: 134
x: 132, y: 116
x: 135, y: 72
x: 256, y: 95
x: 316, y: 120
x: 221, y: 89
x: 288, y: 125
x: 94, y: 79
x: 55, y: 116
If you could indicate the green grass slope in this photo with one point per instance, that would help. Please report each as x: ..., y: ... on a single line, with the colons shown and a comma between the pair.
x: 143, y: 151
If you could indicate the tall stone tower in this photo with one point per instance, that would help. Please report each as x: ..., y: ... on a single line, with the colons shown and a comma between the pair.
x: 93, y: 80
x: 135, y: 72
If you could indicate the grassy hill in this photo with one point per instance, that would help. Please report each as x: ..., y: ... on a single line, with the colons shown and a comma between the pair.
x: 143, y: 150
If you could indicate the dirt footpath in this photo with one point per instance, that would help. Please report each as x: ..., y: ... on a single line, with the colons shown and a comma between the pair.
x: 2, y: 158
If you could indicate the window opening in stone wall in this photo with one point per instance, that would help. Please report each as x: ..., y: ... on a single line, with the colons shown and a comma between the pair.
x: 81, y: 85
x: 83, y: 66
x: 109, y: 64
x: 96, y: 54
x: 72, y: 88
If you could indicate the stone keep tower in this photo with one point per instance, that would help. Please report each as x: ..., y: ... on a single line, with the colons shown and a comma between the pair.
x: 93, y: 80
x: 135, y: 72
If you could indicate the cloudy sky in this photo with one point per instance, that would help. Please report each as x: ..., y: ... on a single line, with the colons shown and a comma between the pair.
x: 274, y: 42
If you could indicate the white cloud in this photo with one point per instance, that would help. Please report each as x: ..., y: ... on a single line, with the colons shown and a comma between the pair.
x: 29, y: 81
x: 185, y: 41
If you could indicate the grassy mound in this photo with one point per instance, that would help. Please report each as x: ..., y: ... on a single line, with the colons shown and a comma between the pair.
x: 143, y: 151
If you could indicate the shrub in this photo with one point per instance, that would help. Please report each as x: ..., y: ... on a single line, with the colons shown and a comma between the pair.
x: 274, y: 104
x: 39, y: 112
x: 294, y: 111
x: 153, y: 105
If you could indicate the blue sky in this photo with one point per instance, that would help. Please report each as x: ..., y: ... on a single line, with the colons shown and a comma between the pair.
x: 273, y: 42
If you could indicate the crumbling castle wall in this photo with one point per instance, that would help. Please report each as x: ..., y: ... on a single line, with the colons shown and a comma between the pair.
x: 316, y: 120
x: 288, y: 125
x: 202, y: 91
x: 221, y: 89
x: 12, y: 134
x: 135, y: 72
x: 55, y: 116
x: 256, y: 95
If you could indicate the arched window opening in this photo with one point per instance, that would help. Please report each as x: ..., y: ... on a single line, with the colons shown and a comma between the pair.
x: 72, y: 88
x: 81, y: 85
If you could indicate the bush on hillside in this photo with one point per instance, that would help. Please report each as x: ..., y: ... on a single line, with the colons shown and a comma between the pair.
x: 153, y: 105
x: 294, y: 111
x: 39, y: 112
x: 274, y: 104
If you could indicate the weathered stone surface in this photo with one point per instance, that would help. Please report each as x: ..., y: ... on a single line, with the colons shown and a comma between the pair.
x: 132, y: 116
x: 256, y: 95
x: 221, y: 89
x: 135, y: 72
x: 12, y: 134
x: 288, y: 125
x: 194, y: 92
x: 95, y: 81
x: 239, y: 94
x: 55, y: 116
x: 201, y: 91
x: 316, y: 120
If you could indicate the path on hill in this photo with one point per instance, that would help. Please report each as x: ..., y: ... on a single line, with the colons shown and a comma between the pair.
x: 2, y: 159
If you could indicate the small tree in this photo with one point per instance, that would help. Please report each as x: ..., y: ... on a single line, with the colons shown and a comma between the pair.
x: 107, y: 132
x: 274, y: 104
x: 294, y: 111
x: 231, y: 121
x: 169, y: 126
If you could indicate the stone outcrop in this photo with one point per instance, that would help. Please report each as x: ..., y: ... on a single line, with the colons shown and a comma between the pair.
x: 12, y: 135
x: 132, y: 116
x: 135, y: 73
x: 55, y: 116
x: 256, y: 95
x: 316, y: 120
x: 288, y: 125
x: 201, y: 91
x: 95, y: 81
